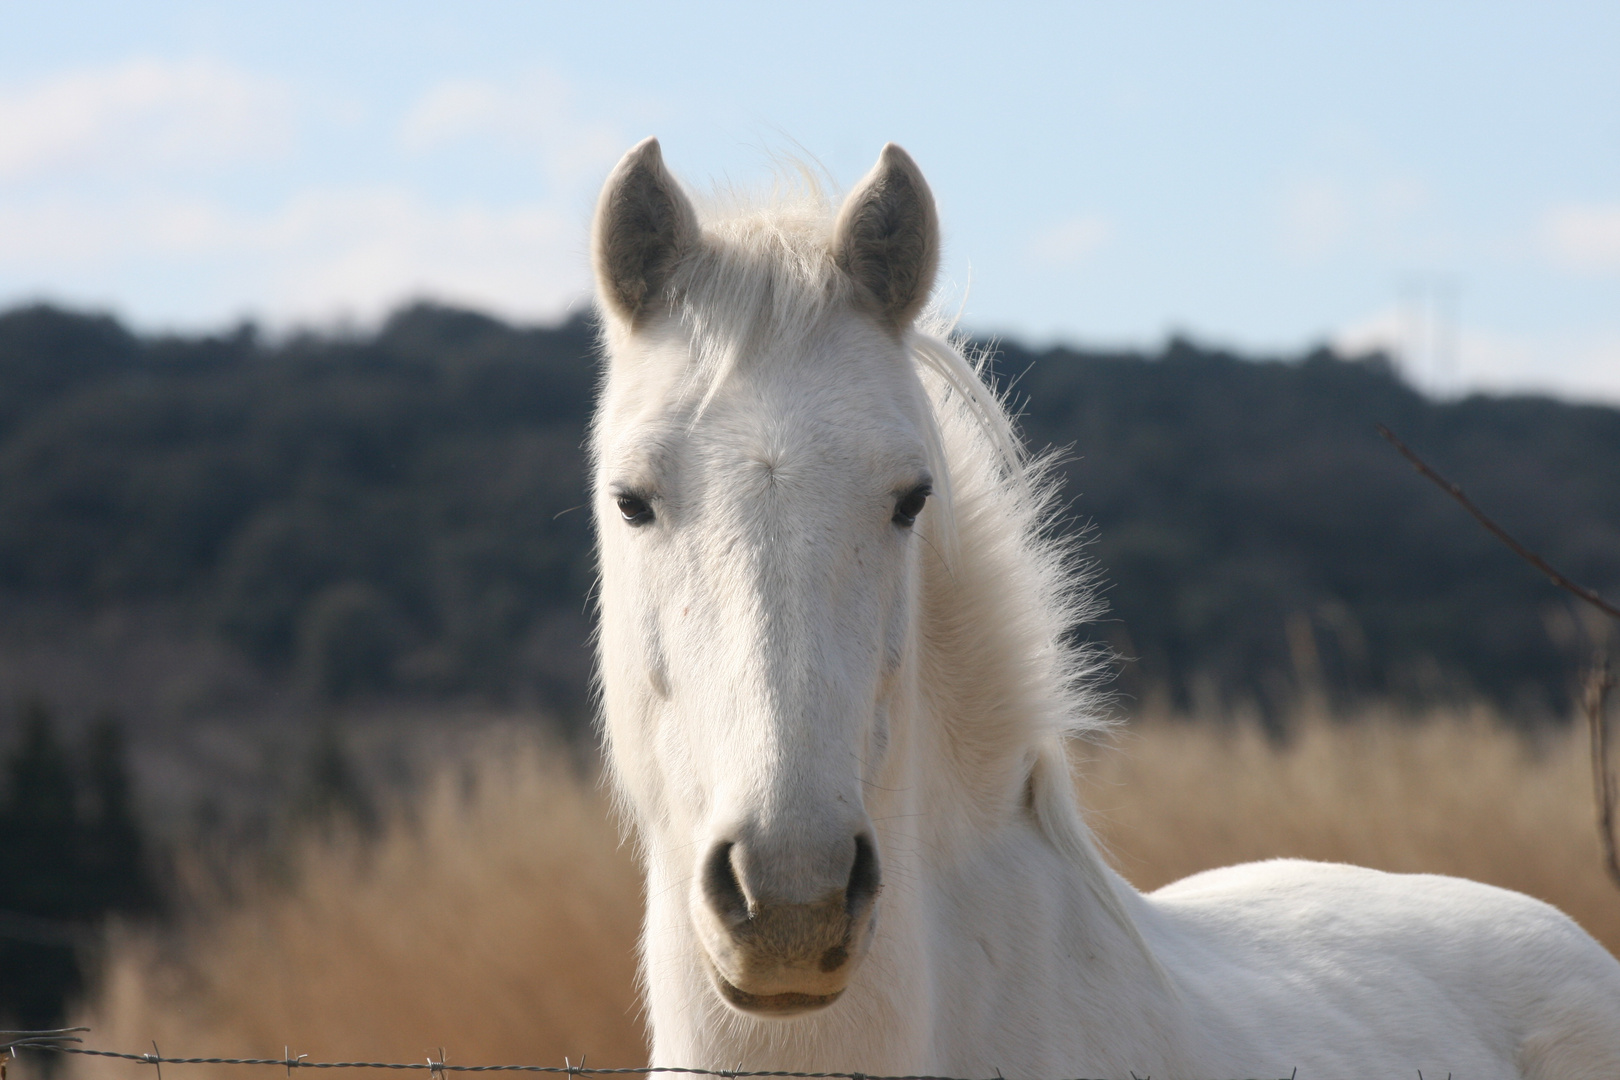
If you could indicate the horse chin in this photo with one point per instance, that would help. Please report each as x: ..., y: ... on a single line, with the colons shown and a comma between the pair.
x: 775, y: 1006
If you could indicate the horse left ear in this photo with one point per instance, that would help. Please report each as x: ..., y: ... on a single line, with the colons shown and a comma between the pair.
x: 887, y: 237
x: 644, y: 224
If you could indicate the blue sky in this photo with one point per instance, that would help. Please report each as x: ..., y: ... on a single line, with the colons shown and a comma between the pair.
x: 1441, y: 178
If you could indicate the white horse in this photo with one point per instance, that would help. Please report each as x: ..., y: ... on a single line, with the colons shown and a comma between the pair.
x: 837, y: 690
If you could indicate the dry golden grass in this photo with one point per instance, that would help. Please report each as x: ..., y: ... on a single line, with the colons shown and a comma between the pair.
x: 1451, y: 793
x: 501, y: 924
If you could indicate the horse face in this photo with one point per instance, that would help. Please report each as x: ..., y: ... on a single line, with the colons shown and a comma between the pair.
x: 758, y: 540
x: 756, y: 613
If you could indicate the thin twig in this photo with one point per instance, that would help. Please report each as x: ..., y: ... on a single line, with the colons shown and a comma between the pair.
x: 1456, y: 492
x: 53, y: 1039
x: 39, y: 1040
x: 1599, y: 681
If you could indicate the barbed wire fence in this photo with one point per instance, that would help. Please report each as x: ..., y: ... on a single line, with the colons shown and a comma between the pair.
x: 67, y: 1041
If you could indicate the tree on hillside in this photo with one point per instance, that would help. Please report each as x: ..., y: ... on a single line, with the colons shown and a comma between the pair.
x: 40, y: 850
x: 115, y: 866
x: 71, y: 852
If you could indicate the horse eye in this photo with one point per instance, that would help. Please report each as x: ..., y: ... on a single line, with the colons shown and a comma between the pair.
x: 910, y: 505
x: 634, y: 509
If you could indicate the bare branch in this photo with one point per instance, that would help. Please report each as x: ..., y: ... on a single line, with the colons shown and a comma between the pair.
x: 1599, y: 681
x: 1456, y: 492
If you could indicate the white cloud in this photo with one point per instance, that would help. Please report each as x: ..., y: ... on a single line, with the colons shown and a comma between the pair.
x: 1585, y: 239
x: 458, y: 109
x: 366, y: 250
x: 1382, y: 331
x: 1452, y: 360
x: 355, y: 252
x: 1071, y: 241
x: 1584, y: 366
x: 200, y: 250
x: 141, y: 113
x: 1315, y: 219
x: 536, y: 116
x: 1388, y: 213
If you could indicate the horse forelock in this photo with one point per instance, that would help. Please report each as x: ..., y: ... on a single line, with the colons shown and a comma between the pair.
x: 764, y: 273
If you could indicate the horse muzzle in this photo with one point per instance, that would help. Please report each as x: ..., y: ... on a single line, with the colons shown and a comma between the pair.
x: 771, y: 954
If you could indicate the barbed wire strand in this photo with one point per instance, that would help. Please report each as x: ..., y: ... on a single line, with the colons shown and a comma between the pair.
x: 57, y: 1042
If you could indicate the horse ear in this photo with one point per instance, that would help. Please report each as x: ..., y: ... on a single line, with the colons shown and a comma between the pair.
x: 887, y: 237
x: 644, y: 223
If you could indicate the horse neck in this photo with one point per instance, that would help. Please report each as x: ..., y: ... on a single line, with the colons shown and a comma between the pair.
x: 996, y: 701
x: 994, y: 675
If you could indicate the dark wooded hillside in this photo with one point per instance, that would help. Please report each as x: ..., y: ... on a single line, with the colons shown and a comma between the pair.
x: 1260, y: 537
x: 398, y: 513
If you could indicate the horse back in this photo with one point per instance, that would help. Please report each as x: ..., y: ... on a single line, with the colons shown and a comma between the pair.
x: 1405, y: 971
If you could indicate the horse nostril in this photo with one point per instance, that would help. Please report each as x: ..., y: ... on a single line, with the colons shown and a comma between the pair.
x: 721, y: 888
x: 864, y: 878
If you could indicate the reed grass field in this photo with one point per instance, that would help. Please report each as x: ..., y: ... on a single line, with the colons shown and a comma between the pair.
x: 497, y: 916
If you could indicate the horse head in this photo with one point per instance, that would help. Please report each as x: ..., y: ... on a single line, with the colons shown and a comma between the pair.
x: 764, y: 461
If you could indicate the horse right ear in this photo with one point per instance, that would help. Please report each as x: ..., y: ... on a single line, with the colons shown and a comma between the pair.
x: 887, y: 237
x: 644, y: 223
